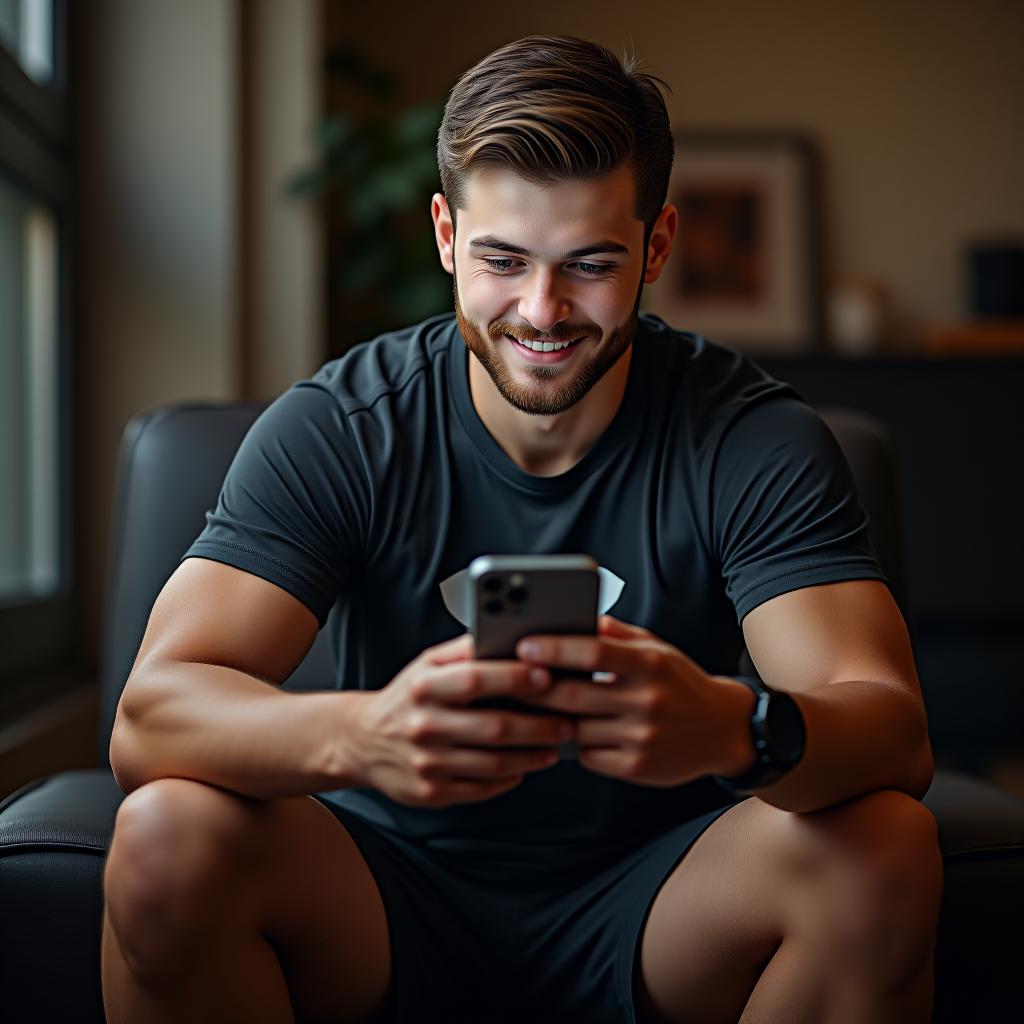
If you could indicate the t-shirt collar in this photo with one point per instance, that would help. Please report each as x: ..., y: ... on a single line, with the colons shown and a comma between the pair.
x: 622, y: 427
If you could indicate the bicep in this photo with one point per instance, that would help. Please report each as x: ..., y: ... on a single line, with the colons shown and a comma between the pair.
x: 829, y: 633
x: 215, y: 614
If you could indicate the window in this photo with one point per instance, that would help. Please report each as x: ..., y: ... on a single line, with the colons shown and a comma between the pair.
x: 29, y: 554
x: 26, y: 32
x: 36, y: 570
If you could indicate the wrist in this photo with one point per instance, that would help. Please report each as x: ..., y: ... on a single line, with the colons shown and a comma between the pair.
x: 338, y: 760
x: 736, y: 749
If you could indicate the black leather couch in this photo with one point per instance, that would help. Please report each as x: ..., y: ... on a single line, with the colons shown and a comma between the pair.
x: 54, y: 832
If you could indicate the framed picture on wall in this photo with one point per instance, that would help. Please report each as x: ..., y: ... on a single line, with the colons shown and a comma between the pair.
x: 744, y: 267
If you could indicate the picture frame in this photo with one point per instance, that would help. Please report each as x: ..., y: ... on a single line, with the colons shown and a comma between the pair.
x: 745, y: 263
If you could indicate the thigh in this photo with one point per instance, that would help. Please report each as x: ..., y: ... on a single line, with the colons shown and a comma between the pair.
x: 759, y: 873
x: 190, y: 855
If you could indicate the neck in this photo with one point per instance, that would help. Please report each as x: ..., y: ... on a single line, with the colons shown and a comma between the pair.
x: 549, y: 445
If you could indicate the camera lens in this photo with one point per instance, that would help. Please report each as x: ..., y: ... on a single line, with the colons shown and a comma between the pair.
x: 517, y: 595
x: 493, y: 607
x: 493, y: 584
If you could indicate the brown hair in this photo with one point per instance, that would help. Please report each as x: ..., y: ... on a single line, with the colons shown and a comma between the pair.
x: 556, y: 107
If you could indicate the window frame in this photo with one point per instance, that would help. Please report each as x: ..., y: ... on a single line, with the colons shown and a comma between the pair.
x: 37, y: 156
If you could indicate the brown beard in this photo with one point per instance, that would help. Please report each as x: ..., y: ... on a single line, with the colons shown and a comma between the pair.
x: 552, y: 394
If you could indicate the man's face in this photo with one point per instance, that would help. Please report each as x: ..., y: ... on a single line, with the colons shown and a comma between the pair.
x: 546, y: 292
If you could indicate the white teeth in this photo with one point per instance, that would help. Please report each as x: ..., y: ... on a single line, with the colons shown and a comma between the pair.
x: 545, y: 346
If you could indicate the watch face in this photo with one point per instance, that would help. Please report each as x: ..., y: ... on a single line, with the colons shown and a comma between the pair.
x: 785, y: 729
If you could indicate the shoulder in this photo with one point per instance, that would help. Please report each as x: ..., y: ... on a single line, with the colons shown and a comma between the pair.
x: 397, y: 363
x: 717, y: 388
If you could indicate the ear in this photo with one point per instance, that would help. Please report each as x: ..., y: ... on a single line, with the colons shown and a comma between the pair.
x: 659, y: 245
x: 444, y: 231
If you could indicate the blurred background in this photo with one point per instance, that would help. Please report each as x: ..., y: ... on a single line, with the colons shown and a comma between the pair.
x: 207, y: 199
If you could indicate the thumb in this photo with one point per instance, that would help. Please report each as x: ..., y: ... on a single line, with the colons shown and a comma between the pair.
x: 459, y: 648
x: 608, y: 625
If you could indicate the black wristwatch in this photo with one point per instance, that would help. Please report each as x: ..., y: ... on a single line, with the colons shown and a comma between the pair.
x: 779, y: 734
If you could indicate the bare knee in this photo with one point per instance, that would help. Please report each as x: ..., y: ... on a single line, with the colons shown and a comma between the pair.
x: 172, y: 869
x: 878, y: 898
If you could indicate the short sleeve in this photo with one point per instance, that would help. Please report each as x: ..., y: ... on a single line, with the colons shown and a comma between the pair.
x: 784, y: 507
x: 292, y: 508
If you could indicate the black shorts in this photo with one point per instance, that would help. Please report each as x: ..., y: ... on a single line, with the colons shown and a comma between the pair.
x: 499, y: 935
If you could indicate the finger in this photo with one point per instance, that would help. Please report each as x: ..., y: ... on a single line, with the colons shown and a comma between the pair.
x: 457, y: 649
x: 585, y: 697
x: 589, y: 653
x: 608, y: 625
x: 459, y: 682
x: 612, y: 761
x: 488, y: 765
x: 491, y: 728
x: 623, y: 731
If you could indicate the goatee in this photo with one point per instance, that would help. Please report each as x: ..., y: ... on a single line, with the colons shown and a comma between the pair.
x: 557, y: 389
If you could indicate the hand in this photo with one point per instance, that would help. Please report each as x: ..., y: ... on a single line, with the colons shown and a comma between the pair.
x: 661, y: 721
x: 415, y: 741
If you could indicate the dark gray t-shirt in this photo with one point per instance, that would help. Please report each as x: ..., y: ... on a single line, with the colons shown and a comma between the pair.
x: 714, y: 489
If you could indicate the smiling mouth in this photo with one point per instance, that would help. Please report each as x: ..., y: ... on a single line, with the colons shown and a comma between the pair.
x: 542, y: 345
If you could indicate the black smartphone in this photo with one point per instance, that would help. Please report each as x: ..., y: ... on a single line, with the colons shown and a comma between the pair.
x: 518, y: 595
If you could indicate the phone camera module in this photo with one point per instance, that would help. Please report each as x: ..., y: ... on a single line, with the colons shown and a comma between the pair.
x: 493, y: 607
x: 517, y: 595
x: 493, y: 584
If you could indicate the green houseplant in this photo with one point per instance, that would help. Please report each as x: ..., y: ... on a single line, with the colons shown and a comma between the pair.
x: 376, y: 173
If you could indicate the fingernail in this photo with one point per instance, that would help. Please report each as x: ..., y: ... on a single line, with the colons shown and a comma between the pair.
x: 538, y: 678
x: 529, y: 649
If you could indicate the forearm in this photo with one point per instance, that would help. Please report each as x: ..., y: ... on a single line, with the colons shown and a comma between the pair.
x: 227, y: 728
x: 861, y: 736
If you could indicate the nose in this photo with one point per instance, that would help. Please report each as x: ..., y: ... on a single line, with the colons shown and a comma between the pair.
x: 541, y: 305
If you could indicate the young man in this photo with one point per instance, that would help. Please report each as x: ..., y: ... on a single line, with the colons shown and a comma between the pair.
x: 385, y: 850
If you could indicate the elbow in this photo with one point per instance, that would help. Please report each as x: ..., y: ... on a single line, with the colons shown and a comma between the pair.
x: 924, y: 772
x: 116, y: 754
x: 121, y: 752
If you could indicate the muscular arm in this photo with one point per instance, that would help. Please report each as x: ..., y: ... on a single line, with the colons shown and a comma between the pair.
x: 843, y: 652
x: 203, y: 699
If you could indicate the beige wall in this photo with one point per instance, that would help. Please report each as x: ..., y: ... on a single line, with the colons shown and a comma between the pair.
x: 916, y: 105
x: 181, y: 224
x: 284, y: 315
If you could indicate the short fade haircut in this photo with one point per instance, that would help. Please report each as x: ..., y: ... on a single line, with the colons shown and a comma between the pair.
x: 551, y: 108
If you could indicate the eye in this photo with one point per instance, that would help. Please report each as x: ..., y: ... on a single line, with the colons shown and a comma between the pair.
x: 596, y: 269
x: 590, y: 269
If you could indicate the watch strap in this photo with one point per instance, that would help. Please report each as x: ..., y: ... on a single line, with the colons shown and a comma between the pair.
x: 764, y: 771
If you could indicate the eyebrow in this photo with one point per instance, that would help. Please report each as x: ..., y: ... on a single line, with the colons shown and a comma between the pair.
x: 492, y: 242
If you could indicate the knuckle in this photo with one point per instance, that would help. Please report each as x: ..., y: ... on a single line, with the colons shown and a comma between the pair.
x: 653, y: 700
x: 418, y: 726
x: 423, y: 763
x: 420, y: 688
x: 472, y: 682
x: 644, y: 733
x: 428, y: 792
x: 654, y: 659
